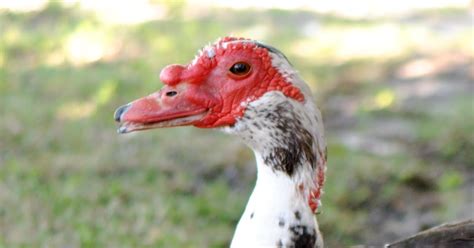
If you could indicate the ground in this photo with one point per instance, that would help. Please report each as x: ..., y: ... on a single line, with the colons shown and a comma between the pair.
x: 395, y: 92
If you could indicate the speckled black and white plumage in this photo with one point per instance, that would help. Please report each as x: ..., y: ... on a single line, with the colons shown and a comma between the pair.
x: 285, y: 142
x: 277, y: 128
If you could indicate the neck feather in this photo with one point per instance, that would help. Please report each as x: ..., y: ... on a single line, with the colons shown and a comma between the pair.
x: 288, y: 142
x: 277, y: 214
x: 289, y: 138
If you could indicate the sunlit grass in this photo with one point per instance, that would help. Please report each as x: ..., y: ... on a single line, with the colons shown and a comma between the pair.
x: 85, y: 47
x: 384, y: 99
x: 76, y: 110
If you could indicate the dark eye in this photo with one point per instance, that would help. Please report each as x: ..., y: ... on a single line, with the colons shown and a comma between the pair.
x: 240, y: 69
x: 171, y: 93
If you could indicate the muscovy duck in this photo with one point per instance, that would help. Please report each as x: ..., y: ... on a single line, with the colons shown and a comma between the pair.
x: 250, y: 89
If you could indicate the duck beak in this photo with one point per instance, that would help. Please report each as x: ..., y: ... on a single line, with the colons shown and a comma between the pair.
x: 160, y: 109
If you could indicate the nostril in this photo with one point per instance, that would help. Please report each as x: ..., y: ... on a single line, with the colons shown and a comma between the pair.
x: 120, y: 111
x: 171, y: 93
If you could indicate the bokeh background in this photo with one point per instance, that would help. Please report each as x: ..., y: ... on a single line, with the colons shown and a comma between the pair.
x: 394, y: 80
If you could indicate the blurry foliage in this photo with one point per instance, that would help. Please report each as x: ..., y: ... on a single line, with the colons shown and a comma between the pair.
x: 66, y: 178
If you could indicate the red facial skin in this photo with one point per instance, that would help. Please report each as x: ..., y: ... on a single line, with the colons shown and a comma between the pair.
x: 315, y: 193
x: 207, y: 86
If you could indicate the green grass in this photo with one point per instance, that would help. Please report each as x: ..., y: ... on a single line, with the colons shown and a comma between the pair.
x: 67, y: 178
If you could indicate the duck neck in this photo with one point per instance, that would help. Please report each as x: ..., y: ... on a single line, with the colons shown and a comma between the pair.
x: 288, y: 140
x: 277, y: 214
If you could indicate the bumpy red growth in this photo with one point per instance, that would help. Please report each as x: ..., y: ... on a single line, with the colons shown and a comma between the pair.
x: 315, y: 194
x: 200, y: 72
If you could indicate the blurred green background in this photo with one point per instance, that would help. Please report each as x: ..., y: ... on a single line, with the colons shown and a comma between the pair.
x: 394, y: 80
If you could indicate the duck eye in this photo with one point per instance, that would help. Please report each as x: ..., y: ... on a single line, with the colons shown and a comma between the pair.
x: 171, y: 93
x: 240, y: 69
